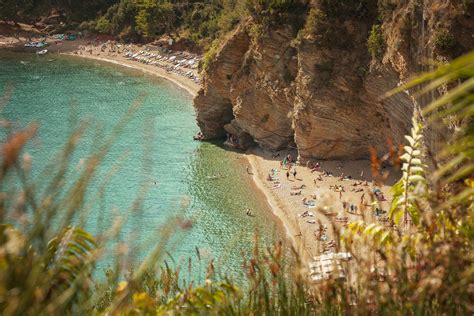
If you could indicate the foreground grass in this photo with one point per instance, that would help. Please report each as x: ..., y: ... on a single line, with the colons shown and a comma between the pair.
x: 420, y: 261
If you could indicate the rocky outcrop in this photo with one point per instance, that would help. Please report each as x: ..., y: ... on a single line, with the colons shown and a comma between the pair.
x: 261, y: 92
x: 213, y: 104
x: 317, y: 87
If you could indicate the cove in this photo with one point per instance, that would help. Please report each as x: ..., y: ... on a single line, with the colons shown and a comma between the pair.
x: 204, y: 183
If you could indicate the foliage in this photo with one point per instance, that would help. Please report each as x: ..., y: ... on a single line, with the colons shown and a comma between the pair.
x: 69, y: 254
x: 12, y: 10
x: 199, y: 21
x: 313, y: 20
x: 375, y: 42
x: 411, y: 188
x: 209, y: 56
x: 154, y: 17
x: 456, y: 160
x: 262, y: 6
x: 444, y: 41
x: 255, y: 31
x: 103, y: 25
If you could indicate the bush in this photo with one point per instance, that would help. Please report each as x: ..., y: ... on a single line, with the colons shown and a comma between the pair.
x: 255, y: 31
x: 315, y: 17
x: 444, y: 41
x: 209, y: 55
x: 103, y: 25
x: 376, y: 43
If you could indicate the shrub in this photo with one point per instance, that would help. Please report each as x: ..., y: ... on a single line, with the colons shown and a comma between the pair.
x: 103, y: 25
x: 444, y: 40
x: 313, y: 21
x: 375, y: 42
x: 209, y: 55
x: 255, y: 31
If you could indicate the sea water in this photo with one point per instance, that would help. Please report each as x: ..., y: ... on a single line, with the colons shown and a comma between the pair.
x: 153, y: 160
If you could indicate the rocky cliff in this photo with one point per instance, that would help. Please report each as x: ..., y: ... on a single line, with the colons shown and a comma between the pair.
x: 309, y: 79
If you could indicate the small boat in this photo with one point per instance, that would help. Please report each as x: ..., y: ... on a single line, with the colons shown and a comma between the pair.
x: 42, y: 52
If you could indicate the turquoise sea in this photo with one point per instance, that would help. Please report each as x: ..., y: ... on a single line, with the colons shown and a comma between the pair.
x: 201, y: 181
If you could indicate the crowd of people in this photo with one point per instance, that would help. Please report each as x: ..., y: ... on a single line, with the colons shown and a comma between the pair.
x: 344, y: 186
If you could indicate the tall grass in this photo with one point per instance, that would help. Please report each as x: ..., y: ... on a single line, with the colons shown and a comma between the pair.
x: 419, y: 260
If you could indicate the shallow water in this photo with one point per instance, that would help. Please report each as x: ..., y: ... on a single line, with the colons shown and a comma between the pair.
x: 155, y: 151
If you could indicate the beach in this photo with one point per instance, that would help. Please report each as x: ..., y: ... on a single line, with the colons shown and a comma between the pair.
x: 313, y: 201
x: 325, y: 204
x: 91, y: 49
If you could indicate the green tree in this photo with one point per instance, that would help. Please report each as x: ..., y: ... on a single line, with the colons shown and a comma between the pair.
x: 154, y: 17
x: 11, y: 10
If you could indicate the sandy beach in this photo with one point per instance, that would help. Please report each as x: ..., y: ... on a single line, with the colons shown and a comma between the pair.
x: 326, y: 195
x: 331, y: 201
x: 91, y: 49
x: 117, y: 59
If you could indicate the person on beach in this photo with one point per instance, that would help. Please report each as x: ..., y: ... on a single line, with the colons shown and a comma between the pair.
x: 294, y: 173
x: 248, y: 170
x: 287, y: 175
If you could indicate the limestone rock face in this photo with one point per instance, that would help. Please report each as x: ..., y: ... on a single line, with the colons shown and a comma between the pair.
x: 261, y: 95
x: 213, y: 105
x: 328, y: 120
x: 320, y: 90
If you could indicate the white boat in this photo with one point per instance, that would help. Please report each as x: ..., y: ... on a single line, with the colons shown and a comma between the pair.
x: 42, y: 52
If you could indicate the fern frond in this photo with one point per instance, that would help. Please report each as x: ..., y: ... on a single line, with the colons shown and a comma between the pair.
x: 69, y: 254
x: 413, y: 183
x: 456, y: 109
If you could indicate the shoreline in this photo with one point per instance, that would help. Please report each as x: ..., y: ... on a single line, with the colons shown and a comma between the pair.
x: 257, y: 181
x: 190, y: 87
x: 302, y: 223
x: 278, y: 211
x: 287, y: 208
x: 77, y: 49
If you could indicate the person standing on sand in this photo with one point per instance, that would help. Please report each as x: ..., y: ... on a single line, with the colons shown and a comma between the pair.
x: 294, y: 173
x: 287, y: 175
